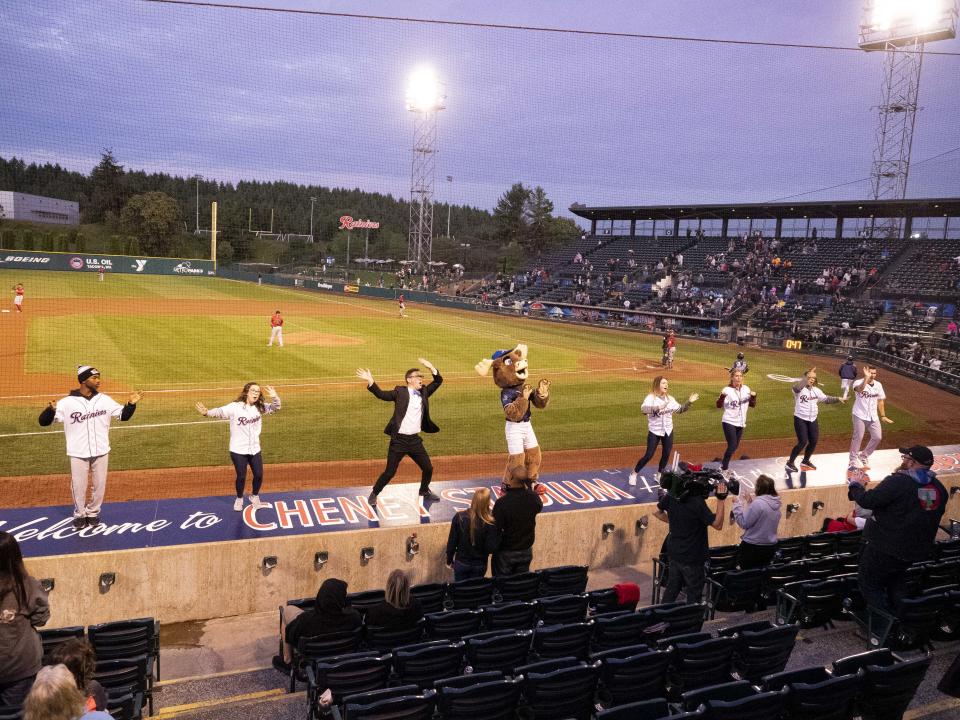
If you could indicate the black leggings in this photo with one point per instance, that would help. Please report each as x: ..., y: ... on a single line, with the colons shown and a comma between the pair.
x: 240, y: 463
x: 808, y: 433
x: 732, y: 433
x: 652, y: 442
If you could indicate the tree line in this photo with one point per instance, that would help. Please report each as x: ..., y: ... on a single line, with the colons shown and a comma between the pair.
x: 158, y: 214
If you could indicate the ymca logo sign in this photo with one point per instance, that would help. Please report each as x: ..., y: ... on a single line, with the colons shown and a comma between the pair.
x: 139, y: 265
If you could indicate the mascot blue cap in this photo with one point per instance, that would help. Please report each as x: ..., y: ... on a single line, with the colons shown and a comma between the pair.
x: 499, y: 353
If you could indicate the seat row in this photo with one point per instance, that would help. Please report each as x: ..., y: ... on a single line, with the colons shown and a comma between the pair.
x: 128, y: 662
x: 553, y: 626
x: 488, y: 677
x: 471, y: 594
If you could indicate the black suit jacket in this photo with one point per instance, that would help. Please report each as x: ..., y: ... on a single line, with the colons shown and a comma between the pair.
x: 400, y: 398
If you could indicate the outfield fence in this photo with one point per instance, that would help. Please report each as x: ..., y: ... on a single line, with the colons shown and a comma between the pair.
x: 86, y: 262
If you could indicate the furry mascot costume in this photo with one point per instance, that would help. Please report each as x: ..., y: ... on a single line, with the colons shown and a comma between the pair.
x: 510, y: 372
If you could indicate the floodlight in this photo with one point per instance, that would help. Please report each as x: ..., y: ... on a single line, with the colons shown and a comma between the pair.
x: 424, y: 91
x: 906, y: 22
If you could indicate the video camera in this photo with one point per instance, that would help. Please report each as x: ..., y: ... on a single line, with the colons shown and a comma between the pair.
x: 695, y: 481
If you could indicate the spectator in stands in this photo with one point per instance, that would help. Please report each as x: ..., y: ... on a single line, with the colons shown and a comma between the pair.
x: 330, y: 614
x: 78, y: 657
x: 23, y: 608
x: 54, y: 696
x: 515, y: 513
x: 759, y: 521
x: 952, y: 329
x: 399, y: 610
x: 473, y: 538
x: 687, y: 544
x: 907, y: 507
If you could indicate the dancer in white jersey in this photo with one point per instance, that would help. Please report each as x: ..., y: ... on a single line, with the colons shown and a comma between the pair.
x: 806, y: 409
x: 735, y: 399
x: 660, y: 407
x: 245, y: 415
x: 86, y: 414
x: 868, y: 412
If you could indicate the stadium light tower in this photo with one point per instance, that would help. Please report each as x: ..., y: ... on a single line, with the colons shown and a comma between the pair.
x: 425, y: 98
x: 900, y: 28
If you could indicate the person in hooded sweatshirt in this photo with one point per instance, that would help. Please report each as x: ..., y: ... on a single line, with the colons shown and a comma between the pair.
x: 330, y: 614
x: 759, y: 521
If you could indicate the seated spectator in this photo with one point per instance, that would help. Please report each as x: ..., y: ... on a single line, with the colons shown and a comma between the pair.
x: 23, y: 608
x: 55, y: 696
x: 77, y: 655
x: 399, y: 610
x: 329, y: 615
x: 759, y: 521
x: 473, y: 538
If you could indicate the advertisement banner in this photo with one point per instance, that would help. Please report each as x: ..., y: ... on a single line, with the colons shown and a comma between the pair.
x: 87, y: 262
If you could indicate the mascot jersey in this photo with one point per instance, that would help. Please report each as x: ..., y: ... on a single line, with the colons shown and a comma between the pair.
x: 509, y: 394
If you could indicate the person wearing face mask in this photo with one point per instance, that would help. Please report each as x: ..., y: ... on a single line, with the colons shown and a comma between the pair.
x: 807, y: 399
x: 659, y: 407
x: 907, y: 507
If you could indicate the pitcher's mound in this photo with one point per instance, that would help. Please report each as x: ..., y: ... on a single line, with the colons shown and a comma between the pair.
x: 318, y: 339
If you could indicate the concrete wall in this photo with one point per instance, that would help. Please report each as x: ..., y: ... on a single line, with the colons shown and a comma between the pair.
x: 222, y: 579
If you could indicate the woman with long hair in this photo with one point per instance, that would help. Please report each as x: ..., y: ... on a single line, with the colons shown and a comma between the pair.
x: 245, y: 415
x: 400, y: 609
x: 473, y: 538
x: 759, y: 521
x: 23, y: 608
x: 807, y: 399
x: 79, y: 658
x: 735, y: 399
x: 55, y: 696
x: 660, y: 407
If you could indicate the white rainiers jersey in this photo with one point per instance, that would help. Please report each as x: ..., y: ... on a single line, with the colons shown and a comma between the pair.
x: 735, y: 405
x: 806, y: 403
x: 865, y: 402
x: 86, y: 423
x: 659, y: 412
x: 244, y: 424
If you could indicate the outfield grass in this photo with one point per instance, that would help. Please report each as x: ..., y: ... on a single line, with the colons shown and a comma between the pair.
x: 327, y: 413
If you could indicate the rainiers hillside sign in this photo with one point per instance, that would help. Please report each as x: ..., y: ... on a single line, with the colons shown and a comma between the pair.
x: 348, y: 223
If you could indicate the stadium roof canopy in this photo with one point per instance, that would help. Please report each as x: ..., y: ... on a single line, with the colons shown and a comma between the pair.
x: 915, y: 208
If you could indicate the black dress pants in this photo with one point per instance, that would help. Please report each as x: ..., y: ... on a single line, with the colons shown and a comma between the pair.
x: 401, y: 445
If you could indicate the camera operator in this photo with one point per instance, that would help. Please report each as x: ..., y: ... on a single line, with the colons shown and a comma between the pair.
x: 907, y: 507
x: 687, y: 545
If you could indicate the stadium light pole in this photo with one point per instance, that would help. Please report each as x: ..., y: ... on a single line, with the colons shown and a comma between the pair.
x: 312, y: 201
x: 425, y: 97
x: 449, y: 185
x: 900, y: 28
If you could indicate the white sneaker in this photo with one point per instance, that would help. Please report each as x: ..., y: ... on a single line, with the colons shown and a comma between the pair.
x: 238, y: 504
x: 632, y: 479
x: 255, y: 501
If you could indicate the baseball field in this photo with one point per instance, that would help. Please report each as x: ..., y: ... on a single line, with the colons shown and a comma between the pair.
x: 188, y: 339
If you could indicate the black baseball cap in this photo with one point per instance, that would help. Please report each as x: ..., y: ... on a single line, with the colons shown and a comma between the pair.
x: 920, y: 453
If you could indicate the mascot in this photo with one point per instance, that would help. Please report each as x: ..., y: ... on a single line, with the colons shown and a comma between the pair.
x: 510, y: 373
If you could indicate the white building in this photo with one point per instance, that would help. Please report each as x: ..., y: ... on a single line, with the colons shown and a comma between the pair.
x: 34, y: 208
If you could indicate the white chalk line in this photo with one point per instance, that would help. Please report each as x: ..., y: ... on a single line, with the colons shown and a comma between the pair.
x: 326, y: 383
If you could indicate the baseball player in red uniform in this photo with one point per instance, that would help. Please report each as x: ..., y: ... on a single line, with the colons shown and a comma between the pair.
x: 18, y: 297
x: 86, y: 414
x: 276, y: 329
x: 403, y: 306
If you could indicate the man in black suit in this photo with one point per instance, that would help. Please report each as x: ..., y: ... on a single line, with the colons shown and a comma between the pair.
x: 411, y: 415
